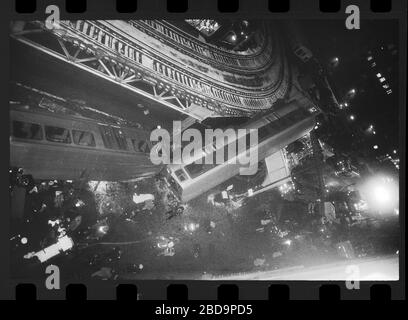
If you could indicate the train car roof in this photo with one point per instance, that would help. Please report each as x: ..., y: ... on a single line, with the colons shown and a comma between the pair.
x: 68, y: 116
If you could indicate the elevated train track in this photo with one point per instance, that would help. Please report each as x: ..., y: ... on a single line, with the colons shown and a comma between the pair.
x: 197, y: 79
x: 153, y: 61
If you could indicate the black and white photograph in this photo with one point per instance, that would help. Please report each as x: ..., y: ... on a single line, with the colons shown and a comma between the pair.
x: 205, y: 149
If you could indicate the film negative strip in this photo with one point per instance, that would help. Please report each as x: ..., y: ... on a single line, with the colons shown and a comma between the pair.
x: 188, y: 150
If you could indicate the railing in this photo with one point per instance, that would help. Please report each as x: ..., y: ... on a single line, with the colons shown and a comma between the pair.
x: 193, y: 83
x: 106, y: 46
x: 208, y: 53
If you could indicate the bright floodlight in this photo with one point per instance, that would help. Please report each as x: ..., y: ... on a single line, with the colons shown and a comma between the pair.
x: 351, y: 94
x: 381, y: 194
x: 334, y: 62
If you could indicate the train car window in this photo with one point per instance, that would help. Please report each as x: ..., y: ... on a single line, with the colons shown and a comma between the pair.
x: 57, y: 134
x: 83, y: 138
x: 300, y: 114
x: 180, y: 174
x: 265, y: 131
x: 108, y: 137
x: 120, y: 139
x: 196, y: 169
x: 227, y: 155
x: 113, y: 138
x: 284, y: 122
x: 140, y: 146
x: 25, y: 130
x: 272, y: 117
x: 275, y: 126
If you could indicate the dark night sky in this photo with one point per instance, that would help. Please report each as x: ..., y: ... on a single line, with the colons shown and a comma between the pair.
x: 371, y: 105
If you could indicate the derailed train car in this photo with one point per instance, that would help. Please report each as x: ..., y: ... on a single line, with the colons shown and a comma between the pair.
x: 65, y: 147
x: 276, y: 129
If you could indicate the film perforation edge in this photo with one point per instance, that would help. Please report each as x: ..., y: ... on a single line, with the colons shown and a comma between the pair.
x: 396, y: 6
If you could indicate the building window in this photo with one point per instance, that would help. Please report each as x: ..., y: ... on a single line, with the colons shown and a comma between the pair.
x: 25, y: 130
x: 57, y: 134
x: 83, y: 138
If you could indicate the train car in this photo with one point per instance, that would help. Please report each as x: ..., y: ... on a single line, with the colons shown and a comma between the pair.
x: 276, y: 129
x: 48, y: 145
